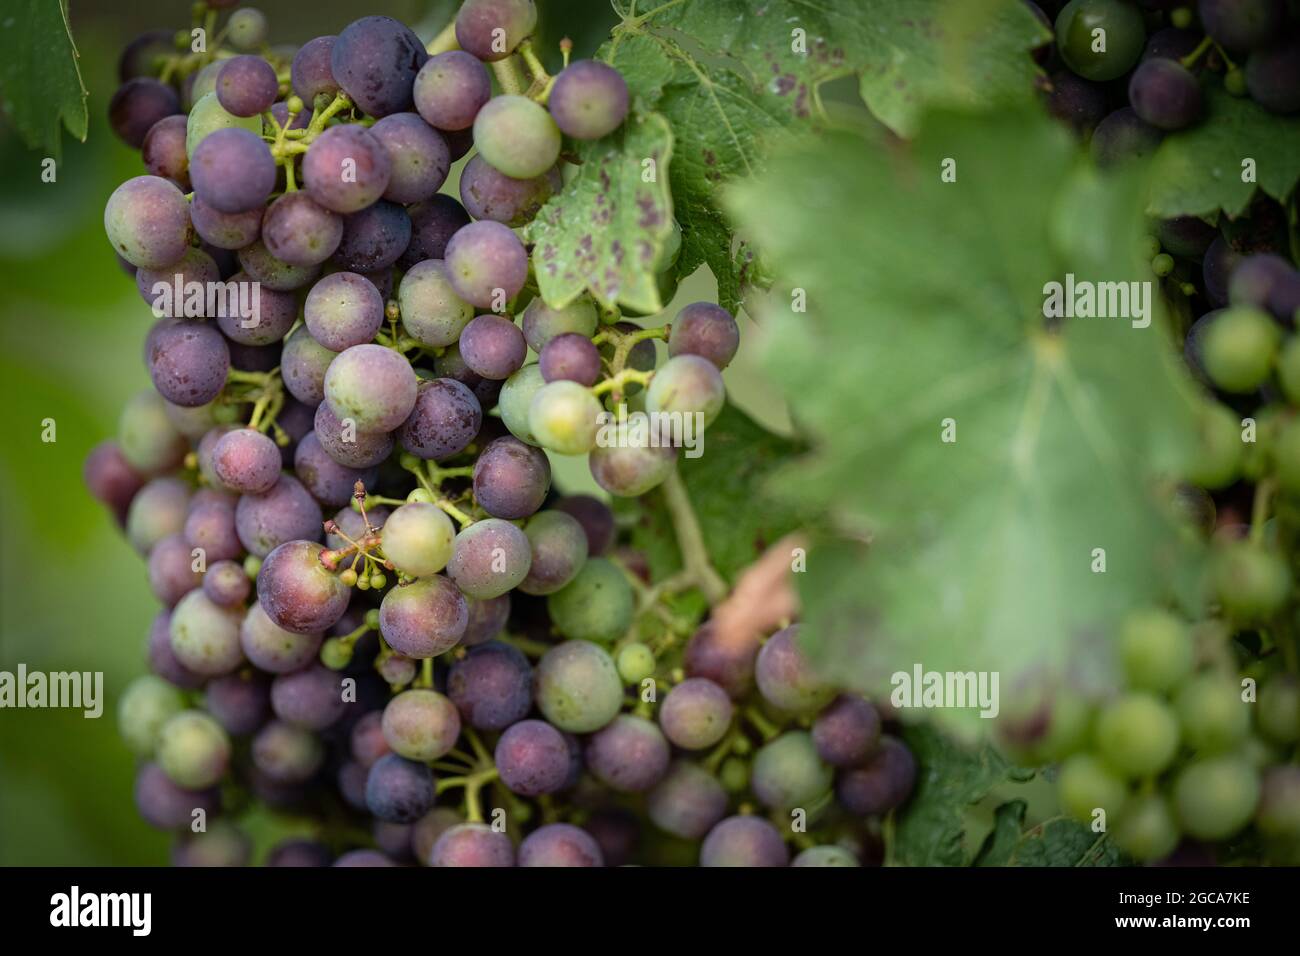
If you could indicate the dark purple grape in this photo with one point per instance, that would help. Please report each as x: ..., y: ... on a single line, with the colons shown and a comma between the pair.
x: 366, y: 741
x: 744, y: 841
x: 444, y: 421
x: 1171, y: 43
x: 188, y: 361
x: 146, y: 54
x: 629, y: 754
x: 688, y: 802
x: 148, y: 222
x: 163, y: 151
x: 164, y: 805
x: 846, y: 733
x: 486, y: 264
x: 273, y: 649
x: 299, y: 852
x: 596, y: 519
x: 232, y: 170
x: 374, y: 238
x: 280, y: 111
x: 226, y: 230
x: 1220, y: 262
x: 393, y: 839
x: 511, y: 479
x: 310, y: 73
x: 363, y: 858
x: 1243, y: 25
x: 346, y: 169
x: 487, y: 619
x: 491, y: 29
x: 492, y: 686
x: 348, y: 446
x: 492, y: 346
x: 246, y: 461
x: 1165, y: 94
x: 1273, y: 76
x: 303, y: 364
x: 167, y: 290
x: 311, y: 698
x: 560, y: 844
x: 570, y: 357
x: 489, y: 194
x: 246, y: 85
x: 352, y: 787
x: 253, y: 358
x: 226, y: 584
x: 137, y: 105
x: 273, y: 273
x: 399, y: 790
x: 329, y: 482
x: 375, y: 60
x: 1121, y: 136
x: 642, y: 357
x: 287, y: 754
x: 162, y: 660
x: 296, y: 420
x: 171, y: 571
x: 450, y: 89
x: 343, y: 310
x: 559, y: 551
x: 729, y: 665
x: 297, y: 592
x: 371, y: 385
x: 418, y: 156
x: 450, y: 365
x: 532, y: 758
x: 210, y: 525
x: 707, y: 330
x: 472, y: 844
x: 433, y: 223
x: 241, y: 703
x: 882, y: 783
x: 459, y: 142
x: 424, y: 618
x: 695, y: 714
x: 110, y: 478
x: 1254, y: 278
x: 616, y: 831
x: 588, y: 100
x: 300, y: 232
x: 262, y: 317
x: 1185, y: 236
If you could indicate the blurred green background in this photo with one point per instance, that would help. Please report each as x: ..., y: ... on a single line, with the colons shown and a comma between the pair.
x: 73, y: 595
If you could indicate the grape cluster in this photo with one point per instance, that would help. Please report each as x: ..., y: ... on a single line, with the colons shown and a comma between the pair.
x: 373, y: 597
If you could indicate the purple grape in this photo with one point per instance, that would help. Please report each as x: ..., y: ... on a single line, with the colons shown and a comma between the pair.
x: 589, y: 100
x: 1076, y: 101
x: 195, y: 266
x: 560, y: 844
x: 232, y: 170
x: 137, y: 105
x: 329, y: 482
x: 300, y: 232
x: 303, y: 364
x: 882, y: 783
x: 1171, y: 43
x: 1122, y: 136
x: 421, y: 724
x: 559, y: 551
x: 273, y: 649
x: 629, y: 471
x: 444, y: 421
x: 224, y: 230
x: 246, y: 461
x: 1254, y: 279
x: 253, y: 358
x: 450, y: 365
x: 280, y: 112
x: 616, y: 831
x: 433, y: 223
x: 163, y: 151
x: 222, y: 844
x: 486, y: 264
x: 450, y: 89
x: 351, y: 781
x: 188, y: 361
x: 310, y: 73
x: 532, y: 758
x: 489, y: 194
x: 311, y: 698
x: 418, y: 156
x: 493, y: 347
x: 375, y: 60
x: 353, y: 448
x: 393, y: 839
x: 472, y: 844
x: 1220, y: 262
x: 432, y: 313
x: 491, y: 686
x: 246, y: 85
x: 240, y: 703
x: 374, y: 238
x: 271, y: 314
x: 1185, y: 236
x: 487, y: 619
x: 296, y: 420
x: 363, y: 858
x: 707, y: 330
x: 226, y: 584
x: 744, y: 841
x: 164, y: 805
x: 1273, y: 76
x: 846, y: 733
x: 171, y: 572
x: 159, y: 509
x: 570, y: 357
x: 210, y: 525
x: 273, y: 273
x: 373, y: 386
x: 688, y: 802
x: 205, y: 636
x: 297, y: 592
x: 366, y: 742
x: 148, y: 222
x: 695, y: 714
x: 162, y: 660
x: 542, y: 323
x: 299, y: 852
x: 343, y: 310
x: 511, y: 479
x: 110, y: 479
x: 474, y: 563
x: 287, y: 754
x: 346, y: 169
x: 786, y: 678
x: 424, y: 618
x: 629, y: 754
x: 352, y: 524
x: 730, y: 666
x: 1243, y: 25
x: 399, y: 790
x: 491, y: 29
x: 596, y: 520
x: 1165, y: 94
x: 145, y: 55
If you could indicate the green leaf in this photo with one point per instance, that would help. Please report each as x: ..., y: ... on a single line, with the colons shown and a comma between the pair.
x: 1054, y: 842
x: 925, y: 305
x: 733, y: 77
x: 1008, y: 821
x: 40, y: 82
x: 726, y: 487
x: 1198, y: 171
x: 605, y: 232
x: 931, y: 827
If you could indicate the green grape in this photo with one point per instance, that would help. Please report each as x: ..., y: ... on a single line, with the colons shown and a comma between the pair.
x: 828, y: 855
x: 788, y: 773
x: 1216, y: 797
x: 1137, y: 735
x: 1278, y: 710
x: 734, y: 775
x: 596, y: 605
x: 1239, y: 348
x: 1086, y: 784
x: 517, y: 397
x: 577, y: 687
x: 686, y: 385
x: 1252, y: 584
x: 1162, y: 264
x: 542, y: 323
x: 146, y: 705
x: 418, y: 538
x: 516, y: 136
x: 564, y: 417
x: 1218, y: 458
x: 208, y: 116
x: 193, y: 750
x: 1146, y: 831
x: 636, y: 662
x: 1100, y: 39
x: 1156, y: 650
x: 1211, y: 713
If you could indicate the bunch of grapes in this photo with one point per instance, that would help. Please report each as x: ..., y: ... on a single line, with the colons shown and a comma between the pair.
x: 379, y: 616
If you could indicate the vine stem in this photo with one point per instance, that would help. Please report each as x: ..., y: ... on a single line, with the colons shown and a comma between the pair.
x: 444, y: 41
x: 690, y: 540
x: 510, y: 75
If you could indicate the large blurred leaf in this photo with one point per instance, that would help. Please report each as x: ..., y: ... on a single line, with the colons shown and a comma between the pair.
x: 1054, y: 842
x: 925, y: 303
x: 730, y: 75
x: 1198, y: 171
x: 40, y: 82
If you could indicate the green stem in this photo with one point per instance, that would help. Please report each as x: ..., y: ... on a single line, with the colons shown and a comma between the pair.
x: 526, y: 644
x: 690, y: 540
x: 621, y: 378
x: 509, y: 75
x: 760, y: 723
x: 463, y: 519
x: 1190, y: 60
x: 444, y: 41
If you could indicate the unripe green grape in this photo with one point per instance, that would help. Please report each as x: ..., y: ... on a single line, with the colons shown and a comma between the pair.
x: 1216, y: 797
x: 687, y: 384
x: 1085, y: 784
x: 1162, y: 265
x: 208, y: 116
x: 1239, y: 348
x: 1211, y: 713
x: 1234, y: 81
x: 564, y: 417
x: 247, y: 29
x: 596, y: 605
x: 336, y: 653
x: 628, y: 470
x: 193, y: 750
x: 516, y: 399
x: 826, y: 855
x: 734, y: 775
x: 1082, y: 26
x: 1252, y: 584
x: 1137, y: 735
x: 418, y: 538
x: 1146, y: 830
x: 1156, y: 650
x: 577, y: 687
x: 1218, y: 458
x: 636, y: 662
x: 1278, y: 710
x: 788, y: 773
x: 516, y: 136
x: 145, y: 706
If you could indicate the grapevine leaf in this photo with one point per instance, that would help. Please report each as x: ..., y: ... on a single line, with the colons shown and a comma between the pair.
x: 996, y: 460
x: 1199, y: 171
x: 1062, y: 842
x: 1000, y: 844
x: 931, y: 827
x: 606, y: 230
x: 739, y: 458
x: 40, y: 82
x: 733, y: 78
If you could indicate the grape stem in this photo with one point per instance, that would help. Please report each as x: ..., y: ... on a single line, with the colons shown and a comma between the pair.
x: 1190, y: 60
x: 690, y: 539
x: 527, y: 645
x: 540, y: 88
x: 510, y: 75
x: 616, y: 382
x: 444, y: 41
x: 760, y: 723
